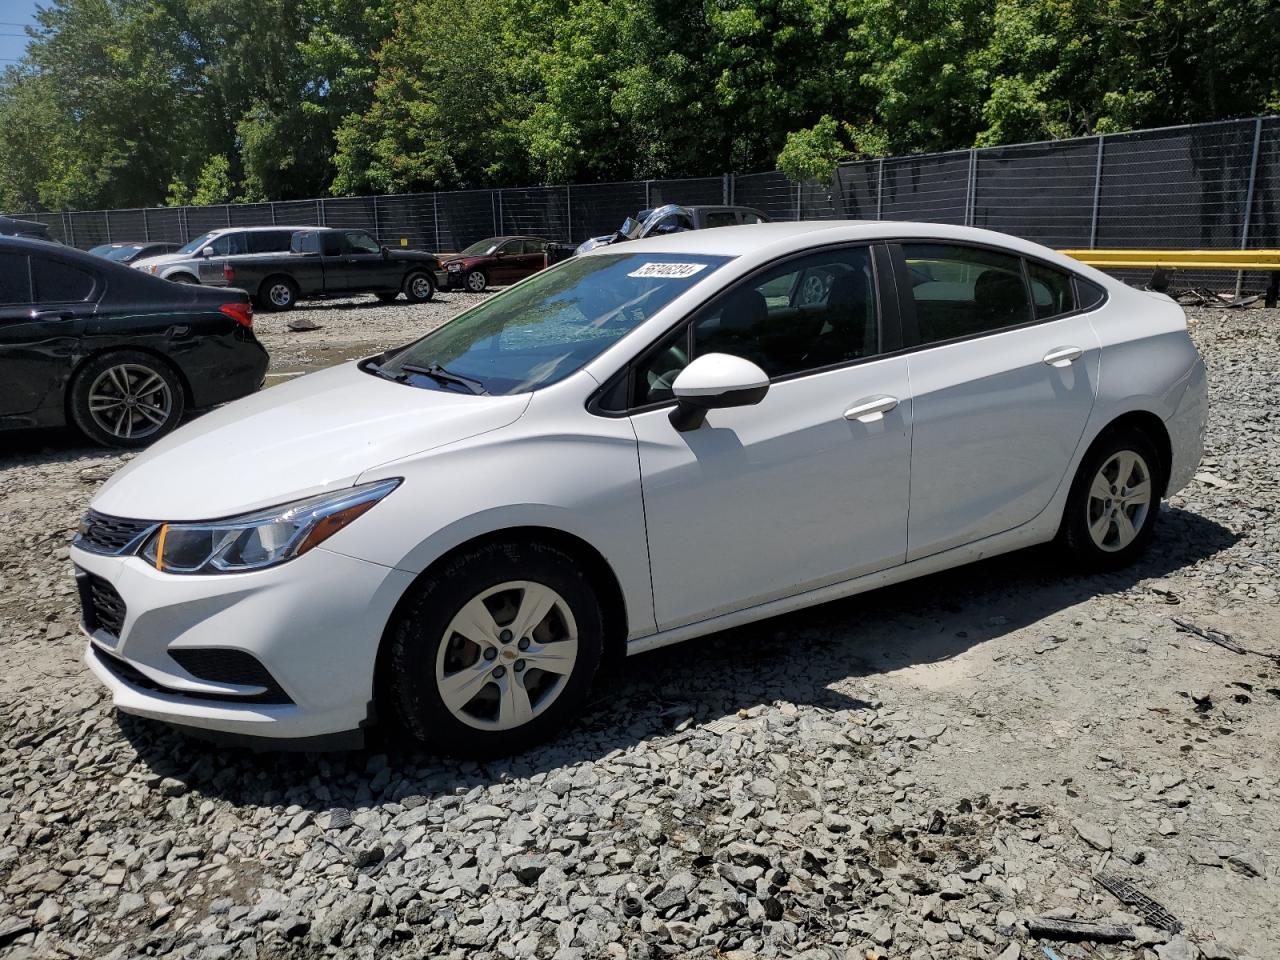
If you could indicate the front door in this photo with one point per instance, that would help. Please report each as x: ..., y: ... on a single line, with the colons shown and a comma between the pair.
x: 1002, y: 385
x: 807, y: 488
x: 362, y: 266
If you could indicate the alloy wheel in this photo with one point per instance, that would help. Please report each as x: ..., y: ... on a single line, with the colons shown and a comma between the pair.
x: 476, y: 281
x: 507, y: 655
x: 130, y: 401
x: 1119, y: 501
x: 280, y: 294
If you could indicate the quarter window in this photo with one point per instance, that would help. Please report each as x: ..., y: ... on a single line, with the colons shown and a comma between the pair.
x: 963, y: 291
x: 812, y: 312
x: 56, y: 281
x: 15, y: 281
x: 1051, y: 291
x: 1088, y: 295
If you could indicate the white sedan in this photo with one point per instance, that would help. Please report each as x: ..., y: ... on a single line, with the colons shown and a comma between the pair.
x: 641, y: 445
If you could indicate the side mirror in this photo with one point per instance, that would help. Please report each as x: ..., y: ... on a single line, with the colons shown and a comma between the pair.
x: 385, y: 252
x: 500, y: 254
x: 207, y: 252
x: 712, y: 382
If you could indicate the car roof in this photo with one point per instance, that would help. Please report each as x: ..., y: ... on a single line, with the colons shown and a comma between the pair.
x: 34, y: 245
x: 283, y: 226
x: 766, y: 241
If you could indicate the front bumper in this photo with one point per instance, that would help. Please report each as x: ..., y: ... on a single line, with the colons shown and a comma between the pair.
x: 315, y: 624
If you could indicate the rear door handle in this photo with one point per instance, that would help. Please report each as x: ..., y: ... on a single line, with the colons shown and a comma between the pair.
x: 871, y: 409
x: 1063, y: 356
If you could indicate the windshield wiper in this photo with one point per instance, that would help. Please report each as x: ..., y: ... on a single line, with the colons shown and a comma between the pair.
x: 440, y: 375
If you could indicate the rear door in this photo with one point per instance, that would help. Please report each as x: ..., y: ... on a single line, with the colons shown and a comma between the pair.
x: 1003, y: 379
x: 44, y: 303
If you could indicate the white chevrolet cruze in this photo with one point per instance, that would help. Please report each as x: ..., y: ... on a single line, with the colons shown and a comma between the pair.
x: 654, y: 441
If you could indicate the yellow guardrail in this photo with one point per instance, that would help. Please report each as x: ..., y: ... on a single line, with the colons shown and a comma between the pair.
x: 1180, y: 259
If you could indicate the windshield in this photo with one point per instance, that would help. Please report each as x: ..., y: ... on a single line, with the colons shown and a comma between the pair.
x: 122, y: 253
x: 481, y: 248
x: 545, y: 328
x: 197, y: 243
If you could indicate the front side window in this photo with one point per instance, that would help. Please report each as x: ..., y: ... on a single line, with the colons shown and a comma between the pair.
x: 963, y: 291
x: 721, y: 218
x: 1051, y: 291
x: 15, y: 281
x: 55, y: 281
x: 547, y: 327
x: 357, y: 241
x: 330, y: 244
x: 808, y: 313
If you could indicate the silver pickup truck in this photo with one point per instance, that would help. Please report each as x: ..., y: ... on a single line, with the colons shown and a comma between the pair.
x: 279, y: 266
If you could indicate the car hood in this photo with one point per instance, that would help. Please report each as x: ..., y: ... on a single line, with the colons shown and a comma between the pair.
x: 312, y: 434
x: 466, y: 261
x: 158, y: 261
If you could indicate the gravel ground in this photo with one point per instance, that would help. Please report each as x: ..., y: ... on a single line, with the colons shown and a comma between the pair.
x: 920, y: 772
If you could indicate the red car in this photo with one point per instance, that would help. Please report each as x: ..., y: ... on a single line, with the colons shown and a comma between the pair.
x: 495, y: 260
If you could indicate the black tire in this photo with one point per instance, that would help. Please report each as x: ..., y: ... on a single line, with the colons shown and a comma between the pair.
x: 475, y: 281
x: 387, y: 296
x: 1084, y: 507
x: 417, y: 634
x: 277, y: 293
x: 134, y: 425
x: 419, y: 286
x: 183, y: 278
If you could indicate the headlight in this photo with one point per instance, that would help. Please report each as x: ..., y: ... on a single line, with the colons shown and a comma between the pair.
x: 262, y: 539
x: 454, y: 267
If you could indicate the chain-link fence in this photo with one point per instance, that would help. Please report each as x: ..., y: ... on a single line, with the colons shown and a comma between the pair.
x: 1212, y: 185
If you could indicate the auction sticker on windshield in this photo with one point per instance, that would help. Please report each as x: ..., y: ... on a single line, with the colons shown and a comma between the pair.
x: 668, y: 271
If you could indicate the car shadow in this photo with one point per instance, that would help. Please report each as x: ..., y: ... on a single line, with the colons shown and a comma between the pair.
x: 928, y: 620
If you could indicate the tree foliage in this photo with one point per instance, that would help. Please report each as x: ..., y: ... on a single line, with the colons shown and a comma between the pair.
x: 133, y: 102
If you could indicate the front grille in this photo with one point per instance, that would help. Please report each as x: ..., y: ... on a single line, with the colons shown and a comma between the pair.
x: 103, y: 608
x: 131, y: 675
x: 230, y: 666
x: 99, y: 533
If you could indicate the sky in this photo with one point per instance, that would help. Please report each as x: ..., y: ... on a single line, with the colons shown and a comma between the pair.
x: 20, y: 12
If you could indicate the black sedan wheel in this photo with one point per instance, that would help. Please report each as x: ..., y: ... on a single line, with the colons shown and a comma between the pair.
x: 476, y: 281
x: 126, y: 399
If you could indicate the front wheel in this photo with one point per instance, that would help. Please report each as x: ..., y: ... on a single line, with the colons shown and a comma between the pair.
x: 476, y: 281
x: 419, y: 287
x: 496, y: 651
x: 1114, y: 502
x: 126, y: 399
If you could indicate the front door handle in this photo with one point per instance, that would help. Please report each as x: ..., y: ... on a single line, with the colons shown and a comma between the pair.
x: 47, y: 316
x: 871, y: 409
x: 1063, y: 356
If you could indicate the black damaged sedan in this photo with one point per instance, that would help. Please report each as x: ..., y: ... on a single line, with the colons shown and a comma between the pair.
x: 118, y: 353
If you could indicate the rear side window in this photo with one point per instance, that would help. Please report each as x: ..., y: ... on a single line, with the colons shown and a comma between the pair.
x: 268, y: 241
x: 15, y: 281
x: 305, y: 243
x: 721, y: 218
x: 964, y: 291
x: 1088, y: 295
x: 60, y: 282
x: 1051, y: 291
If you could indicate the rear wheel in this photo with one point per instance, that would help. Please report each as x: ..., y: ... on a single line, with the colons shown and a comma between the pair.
x: 126, y: 399
x: 1114, y: 502
x: 419, y: 287
x: 278, y: 293
x: 496, y: 651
